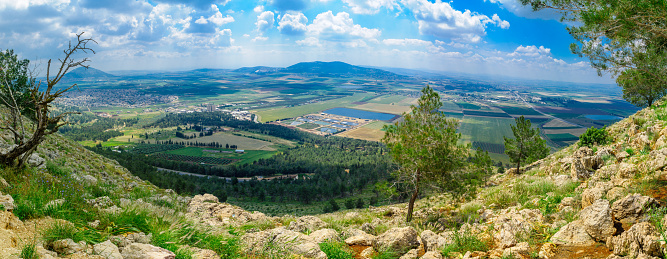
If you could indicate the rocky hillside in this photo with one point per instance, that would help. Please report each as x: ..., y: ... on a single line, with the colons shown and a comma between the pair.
x: 581, y: 202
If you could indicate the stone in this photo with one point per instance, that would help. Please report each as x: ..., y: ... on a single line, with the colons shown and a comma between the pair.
x: 578, y: 171
x: 521, y: 250
x: 146, y: 251
x: 307, y: 223
x: 548, y: 251
x: 574, y: 233
x: 632, y: 207
x: 432, y: 255
x: 597, y: 220
x: 583, y: 152
x: 7, y: 202
x: 620, y: 156
x: 209, y: 211
x: 360, y: 240
x: 36, y: 161
x: 125, y: 240
x: 567, y: 202
x: 511, y: 223
x: 367, y: 253
x: 626, y: 171
x: 399, y: 240
x: 641, y: 238
x: 89, y: 180
x: 561, y: 180
x: 100, y: 202
x: 368, y: 228
x: 67, y: 246
x: 285, y: 240
x: 615, y: 193
x: 590, y: 195
x: 433, y: 241
x: 107, y: 250
x: 198, y: 253
x: 412, y: 254
x: 324, y: 235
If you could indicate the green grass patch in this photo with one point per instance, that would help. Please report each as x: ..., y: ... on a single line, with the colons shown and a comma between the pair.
x: 483, y: 129
x: 337, y: 250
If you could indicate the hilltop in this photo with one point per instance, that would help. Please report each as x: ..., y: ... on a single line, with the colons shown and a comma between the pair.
x: 326, y: 69
x: 83, y: 73
x: 596, y: 202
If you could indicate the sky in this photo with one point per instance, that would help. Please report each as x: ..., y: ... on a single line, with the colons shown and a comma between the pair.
x: 489, y: 37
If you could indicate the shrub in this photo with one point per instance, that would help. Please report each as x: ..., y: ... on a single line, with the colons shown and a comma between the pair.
x: 594, y: 136
x: 349, y: 204
x: 336, y: 250
x: 360, y: 203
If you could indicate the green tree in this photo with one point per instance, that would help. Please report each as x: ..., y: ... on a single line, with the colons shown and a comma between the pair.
x: 425, y: 146
x: 527, y: 145
x: 360, y: 203
x: 627, y: 38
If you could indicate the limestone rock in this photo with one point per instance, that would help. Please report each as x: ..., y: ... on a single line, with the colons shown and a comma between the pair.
x: 567, y: 202
x: 36, y: 161
x: 146, y: 251
x: 397, y: 239
x: 583, y: 152
x: 125, y: 240
x: 433, y: 241
x: 368, y: 228
x: 307, y: 223
x: 208, y: 210
x: 590, y: 195
x: 432, y: 255
x: 107, y: 250
x: 100, y: 202
x: 89, y: 180
x: 574, y: 233
x: 67, y: 246
x: 632, y: 207
x: 360, y: 240
x: 7, y: 202
x: 547, y: 251
x: 620, y: 156
x: 597, y: 220
x: 367, y: 253
x: 510, y: 223
x: 641, y: 238
x: 323, y: 235
x: 412, y: 254
x: 626, y: 171
x: 615, y: 193
x: 285, y: 240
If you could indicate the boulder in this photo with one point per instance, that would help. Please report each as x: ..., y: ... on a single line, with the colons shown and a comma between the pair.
x: 283, y: 240
x: 100, y: 202
x: 107, y: 250
x: 307, y: 223
x: 521, y: 250
x: 597, y: 220
x: 367, y: 253
x: 209, y: 211
x: 399, y: 240
x: 146, y: 251
x: 412, y: 254
x: 548, y: 251
x: 7, y: 202
x: 615, y: 193
x: 204, y: 254
x: 36, y: 161
x: 68, y: 246
x: 368, y: 228
x: 511, y: 223
x: 360, y: 240
x: 567, y: 202
x: 632, y: 207
x: 574, y: 233
x: 594, y: 193
x: 626, y: 171
x: 620, y: 156
x: 578, y: 171
x: 127, y: 239
x: 432, y: 255
x: 89, y: 180
x: 324, y: 235
x: 433, y: 241
x: 583, y: 152
x: 641, y: 238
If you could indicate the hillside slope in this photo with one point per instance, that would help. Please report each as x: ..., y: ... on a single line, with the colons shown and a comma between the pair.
x: 599, y: 202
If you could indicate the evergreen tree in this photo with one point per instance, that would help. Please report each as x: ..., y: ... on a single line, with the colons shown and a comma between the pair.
x: 527, y: 145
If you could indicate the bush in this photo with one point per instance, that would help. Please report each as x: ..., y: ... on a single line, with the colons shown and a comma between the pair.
x: 360, y: 203
x: 349, y: 204
x: 594, y: 136
x: 331, y: 206
x: 336, y: 250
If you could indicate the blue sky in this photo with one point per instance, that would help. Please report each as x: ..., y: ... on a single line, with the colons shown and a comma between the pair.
x: 496, y: 37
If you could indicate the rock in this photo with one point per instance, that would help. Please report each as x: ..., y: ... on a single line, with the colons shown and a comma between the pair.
x: 620, y: 156
x: 583, y: 152
x: 578, y: 171
x: 605, y: 151
x: 615, y: 193
x: 521, y: 250
x: 412, y: 254
x: 67, y: 246
x: 146, y: 251
x: 367, y: 253
x: 36, y: 161
x: 641, y: 238
x: 399, y: 240
x: 94, y: 224
x: 626, y: 171
x: 209, y: 211
x: 368, y: 228
x: 89, y: 180
x: 100, y: 202
x: 432, y: 255
x: 511, y: 223
x: 561, y: 180
x: 125, y: 240
x: 283, y: 240
x: 632, y: 207
x: 4, y: 183
x: 590, y: 195
x: 597, y: 220
x: 478, y: 255
x: 7, y: 202
x: 324, y: 235
x: 107, y: 250
x: 198, y: 253
x: 662, y: 140
x: 567, y: 202
x: 351, y: 215
x: 433, y: 241
x: 548, y: 251
x: 360, y: 240
x: 307, y: 223
x: 574, y: 233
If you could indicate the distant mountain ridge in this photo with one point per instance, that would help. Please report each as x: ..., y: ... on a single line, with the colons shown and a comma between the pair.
x: 82, y: 73
x: 322, y: 68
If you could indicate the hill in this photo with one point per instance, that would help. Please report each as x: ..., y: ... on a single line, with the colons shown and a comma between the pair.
x: 325, y: 69
x: 82, y: 73
x: 603, y: 201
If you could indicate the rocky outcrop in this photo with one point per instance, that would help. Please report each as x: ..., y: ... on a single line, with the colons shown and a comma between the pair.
x: 511, y: 223
x: 324, y: 235
x: 127, y: 239
x: 307, y: 223
x: 640, y: 239
x: 281, y: 241
x: 632, y: 207
x: 68, y: 246
x: 399, y: 240
x: 6, y: 202
x: 574, y: 233
x: 146, y: 251
x: 209, y: 211
x: 107, y: 250
x: 594, y: 193
x: 433, y: 241
x: 597, y: 221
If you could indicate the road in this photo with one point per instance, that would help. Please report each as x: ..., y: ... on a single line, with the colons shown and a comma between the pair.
x: 229, y: 179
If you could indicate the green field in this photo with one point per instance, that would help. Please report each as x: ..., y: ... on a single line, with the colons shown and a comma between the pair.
x: 562, y: 137
x: 483, y: 129
x: 291, y: 112
x: 376, y: 125
x: 388, y: 99
x: 448, y: 105
x: 248, y: 156
x: 309, y: 125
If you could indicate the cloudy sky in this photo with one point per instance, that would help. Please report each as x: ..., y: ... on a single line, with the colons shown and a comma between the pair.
x: 497, y: 37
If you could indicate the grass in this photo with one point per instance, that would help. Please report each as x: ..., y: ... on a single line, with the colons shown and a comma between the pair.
x: 523, y: 191
x: 291, y: 112
x: 464, y: 242
x: 489, y: 130
x: 28, y: 251
x: 337, y: 250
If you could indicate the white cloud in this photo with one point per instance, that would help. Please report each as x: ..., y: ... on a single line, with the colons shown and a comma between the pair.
x: 440, y: 19
x: 310, y: 41
x: 406, y: 42
x: 258, y: 9
x: 293, y: 24
x: 520, y: 10
x: 265, y: 21
x: 369, y: 6
x: 531, y: 51
x: 339, y: 28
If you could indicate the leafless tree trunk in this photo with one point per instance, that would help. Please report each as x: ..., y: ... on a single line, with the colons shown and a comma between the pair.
x: 45, y: 123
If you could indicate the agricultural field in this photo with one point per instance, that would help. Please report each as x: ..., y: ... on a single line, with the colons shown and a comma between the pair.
x: 291, y: 112
x: 248, y: 156
x: 383, y: 108
x: 485, y: 129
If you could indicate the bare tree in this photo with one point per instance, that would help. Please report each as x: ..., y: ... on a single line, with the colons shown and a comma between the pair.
x: 30, y: 117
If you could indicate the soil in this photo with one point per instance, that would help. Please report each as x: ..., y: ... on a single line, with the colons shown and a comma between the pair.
x: 592, y: 252
x: 357, y: 250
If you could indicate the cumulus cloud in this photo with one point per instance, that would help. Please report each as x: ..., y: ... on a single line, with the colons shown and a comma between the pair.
x: 289, y: 5
x: 265, y: 21
x: 530, y: 51
x: 520, y: 10
x: 440, y: 19
x: 293, y: 24
x: 406, y: 42
x: 339, y: 28
x: 199, y: 4
x: 369, y: 6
